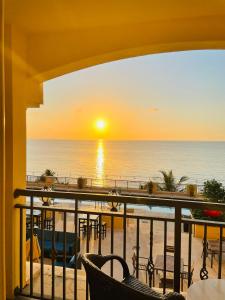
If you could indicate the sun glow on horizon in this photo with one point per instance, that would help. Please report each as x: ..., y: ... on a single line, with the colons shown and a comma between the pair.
x: 100, y: 124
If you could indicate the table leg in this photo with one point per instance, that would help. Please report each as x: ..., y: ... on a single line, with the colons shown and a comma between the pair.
x: 212, y: 254
x: 95, y: 229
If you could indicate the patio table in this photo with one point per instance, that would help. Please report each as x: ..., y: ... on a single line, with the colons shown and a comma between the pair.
x: 209, y: 289
x: 214, y: 249
x: 214, y: 245
x: 159, y: 265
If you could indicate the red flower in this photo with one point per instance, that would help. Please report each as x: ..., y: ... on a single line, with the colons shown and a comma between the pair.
x: 212, y: 213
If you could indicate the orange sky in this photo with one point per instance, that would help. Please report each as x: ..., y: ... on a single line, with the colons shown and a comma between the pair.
x: 176, y: 96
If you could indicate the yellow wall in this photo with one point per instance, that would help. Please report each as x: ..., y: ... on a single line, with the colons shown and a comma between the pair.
x: 15, y: 82
x: 213, y: 233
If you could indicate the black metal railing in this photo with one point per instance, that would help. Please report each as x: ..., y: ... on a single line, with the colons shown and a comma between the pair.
x: 117, y: 237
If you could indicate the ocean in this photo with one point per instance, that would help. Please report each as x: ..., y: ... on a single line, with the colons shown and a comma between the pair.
x: 130, y: 160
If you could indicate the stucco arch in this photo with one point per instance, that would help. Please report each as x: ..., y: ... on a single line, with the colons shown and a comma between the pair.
x: 58, y: 53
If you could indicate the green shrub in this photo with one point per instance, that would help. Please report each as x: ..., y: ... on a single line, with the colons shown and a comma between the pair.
x: 213, y: 191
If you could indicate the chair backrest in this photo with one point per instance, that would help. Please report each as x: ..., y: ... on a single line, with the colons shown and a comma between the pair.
x: 104, y: 287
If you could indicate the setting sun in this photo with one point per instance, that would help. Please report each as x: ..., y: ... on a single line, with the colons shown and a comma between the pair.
x: 100, y: 125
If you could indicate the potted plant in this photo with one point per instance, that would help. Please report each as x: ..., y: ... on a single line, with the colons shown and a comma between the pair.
x: 48, y: 177
x: 192, y: 190
x: 151, y: 187
x: 213, y: 192
x: 81, y: 182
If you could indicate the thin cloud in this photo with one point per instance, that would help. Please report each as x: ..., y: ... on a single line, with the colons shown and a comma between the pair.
x: 153, y: 109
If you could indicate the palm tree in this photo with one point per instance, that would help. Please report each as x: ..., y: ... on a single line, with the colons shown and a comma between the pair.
x: 169, y: 181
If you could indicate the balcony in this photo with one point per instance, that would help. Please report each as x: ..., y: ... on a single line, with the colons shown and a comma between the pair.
x: 154, y: 244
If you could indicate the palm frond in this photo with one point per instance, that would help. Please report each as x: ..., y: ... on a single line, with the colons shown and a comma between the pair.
x: 182, y: 179
x: 169, y: 180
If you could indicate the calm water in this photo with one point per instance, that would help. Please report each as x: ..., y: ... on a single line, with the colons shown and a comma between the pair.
x: 127, y: 159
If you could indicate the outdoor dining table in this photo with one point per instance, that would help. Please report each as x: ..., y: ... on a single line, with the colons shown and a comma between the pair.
x: 93, y: 222
x: 214, y: 245
x: 214, y: 248
x: 159, y: 264
x: 209, y: 289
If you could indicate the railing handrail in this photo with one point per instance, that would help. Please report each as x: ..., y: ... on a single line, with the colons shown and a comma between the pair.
x: 120, y: 214
x: 144, y: 200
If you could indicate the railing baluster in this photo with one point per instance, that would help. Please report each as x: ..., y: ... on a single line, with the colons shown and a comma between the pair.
x: 220, y: 253
x: 64, y: 257
x: 76, y: 244
x: 137, y: 247
x: 189, y: 254
x: 21, y: 250
x: 99, y: 235
x: 87, y: 248
x: 53, y: 256
x: 88, y: 232
x: 42, y: 252
x: 151, y: 265
x: 124, y: 231
x: 31, y: 244
x: 203, y: 271
x: 164, y: 260
x: 112, y: 244
x: 177, y: 249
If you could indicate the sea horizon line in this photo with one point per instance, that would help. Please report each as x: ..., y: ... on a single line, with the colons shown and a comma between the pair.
x: 124, y: 140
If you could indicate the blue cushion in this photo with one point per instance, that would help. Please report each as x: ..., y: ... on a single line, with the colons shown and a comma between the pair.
x: 59, y: 242
x: 48, y: 245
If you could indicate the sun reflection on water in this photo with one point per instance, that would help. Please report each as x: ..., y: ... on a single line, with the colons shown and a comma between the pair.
x: 100, y: 163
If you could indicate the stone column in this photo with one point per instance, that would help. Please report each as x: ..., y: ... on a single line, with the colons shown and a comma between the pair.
x: 21, y: 91
x: 15, y: 151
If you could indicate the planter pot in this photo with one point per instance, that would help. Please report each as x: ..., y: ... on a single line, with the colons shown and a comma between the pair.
x: 49, y: 181
x: 213, y: 232
x: 192, y: 190
x: 81, y: 182
x: 152, y: 187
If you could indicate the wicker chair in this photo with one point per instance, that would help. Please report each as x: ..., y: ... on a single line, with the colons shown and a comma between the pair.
x: 104, y: 287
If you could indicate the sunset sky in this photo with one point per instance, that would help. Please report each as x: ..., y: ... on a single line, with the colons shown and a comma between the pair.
x: 173, y: 96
